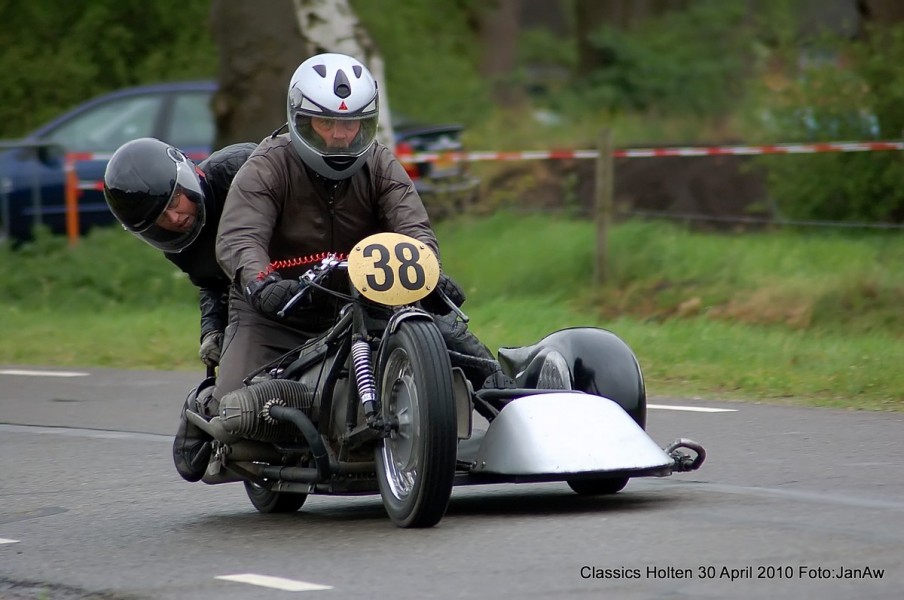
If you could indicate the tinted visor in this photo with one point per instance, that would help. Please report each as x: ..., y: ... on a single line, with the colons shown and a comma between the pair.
x: 181, y: 221
x: 345, y: 136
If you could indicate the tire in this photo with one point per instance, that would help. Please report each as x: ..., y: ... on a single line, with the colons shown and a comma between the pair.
x: 266, y: 501
x: 416, y: 463
x: 598, y: 487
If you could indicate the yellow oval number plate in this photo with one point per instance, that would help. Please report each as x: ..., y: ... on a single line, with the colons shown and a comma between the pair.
x: 393, y: 269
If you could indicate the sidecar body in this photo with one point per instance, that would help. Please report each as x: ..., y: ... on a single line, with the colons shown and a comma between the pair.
x: 576, y: 412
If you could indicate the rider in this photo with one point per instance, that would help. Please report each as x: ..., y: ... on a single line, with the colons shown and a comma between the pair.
x: 157, y: 193
x: 320, y: 188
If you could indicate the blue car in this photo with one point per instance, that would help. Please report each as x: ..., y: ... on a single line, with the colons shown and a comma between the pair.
x: 32, y: 177
x: 32, y: 174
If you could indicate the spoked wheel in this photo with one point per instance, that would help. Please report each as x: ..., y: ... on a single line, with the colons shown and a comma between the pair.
x: 266, y: 501
x: 416, y: 463
x: 598, y: 487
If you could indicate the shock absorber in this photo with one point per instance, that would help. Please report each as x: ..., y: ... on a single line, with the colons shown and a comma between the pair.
x: 364, y: 377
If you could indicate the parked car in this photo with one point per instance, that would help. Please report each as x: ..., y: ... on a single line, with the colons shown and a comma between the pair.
x: 32, y: 178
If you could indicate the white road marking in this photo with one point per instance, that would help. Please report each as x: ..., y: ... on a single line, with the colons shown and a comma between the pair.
x: 88, y: 433
x: 691, y: 408
x: 279, y: 583
x: 6, y: 541
x: 28, y: 373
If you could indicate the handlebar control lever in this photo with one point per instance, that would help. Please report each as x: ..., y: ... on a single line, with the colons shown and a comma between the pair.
x: 293, y: 301
x: 465, y: 318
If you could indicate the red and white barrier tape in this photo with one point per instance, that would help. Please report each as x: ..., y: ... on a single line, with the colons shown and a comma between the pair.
x: 651, y: 152
x: 815, y: 148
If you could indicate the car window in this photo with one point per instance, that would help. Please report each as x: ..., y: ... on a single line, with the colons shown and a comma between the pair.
x: 107, y: 127
x: 192, y: 123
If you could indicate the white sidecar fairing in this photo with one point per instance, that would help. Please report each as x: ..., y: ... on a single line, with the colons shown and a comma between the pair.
x: 565, y: 433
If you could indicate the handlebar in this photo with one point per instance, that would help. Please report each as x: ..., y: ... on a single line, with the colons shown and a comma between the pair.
x: 311, y: 279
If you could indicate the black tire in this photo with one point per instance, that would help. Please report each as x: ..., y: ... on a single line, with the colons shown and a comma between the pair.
x: 416, y: 464
x: 598, y: 487
x: 266, y: 501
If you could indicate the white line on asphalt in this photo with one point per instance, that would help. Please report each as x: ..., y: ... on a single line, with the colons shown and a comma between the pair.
x: 691, y: 408
x: 279, y: 583
x: 28, y: 373
x: 103, y: 434
x: 6, y: 541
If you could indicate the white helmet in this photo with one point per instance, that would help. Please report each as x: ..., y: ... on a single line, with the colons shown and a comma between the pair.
x: 333, y: 110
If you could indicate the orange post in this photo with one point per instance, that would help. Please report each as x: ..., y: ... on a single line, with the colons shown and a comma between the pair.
x: 72, y: 193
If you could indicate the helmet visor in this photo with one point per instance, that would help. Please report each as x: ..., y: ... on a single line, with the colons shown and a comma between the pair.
x: 181, y: 221
x: 335, y: 137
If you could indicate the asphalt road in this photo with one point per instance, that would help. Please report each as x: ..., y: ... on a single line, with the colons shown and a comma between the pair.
x: 791, y: 503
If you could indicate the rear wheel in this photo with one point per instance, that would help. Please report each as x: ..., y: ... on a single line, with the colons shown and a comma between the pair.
x: 416, y: 463
x: 598, y: 487
x: 266, y: 501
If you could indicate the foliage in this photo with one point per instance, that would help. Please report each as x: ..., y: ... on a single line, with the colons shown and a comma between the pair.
x: 109, y: 268
x: 431, y: 68
x: 690, y: 61
x: 58, y: 54
x: 835, y: 90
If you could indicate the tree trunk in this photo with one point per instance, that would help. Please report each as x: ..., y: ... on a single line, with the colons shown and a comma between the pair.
x: 259, y: 49
x: 332, y: 26
x: 881, y: 12
x: 499, y: 27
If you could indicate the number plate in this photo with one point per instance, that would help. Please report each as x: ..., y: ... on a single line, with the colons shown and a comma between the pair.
x: 393, y: 269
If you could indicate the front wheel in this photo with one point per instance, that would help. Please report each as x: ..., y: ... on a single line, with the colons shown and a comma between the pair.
x: 416, y: 462
x: 266, y: 501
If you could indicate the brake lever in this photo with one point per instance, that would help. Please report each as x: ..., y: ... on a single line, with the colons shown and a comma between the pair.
x: 292, y: 302
x: 465, y: 318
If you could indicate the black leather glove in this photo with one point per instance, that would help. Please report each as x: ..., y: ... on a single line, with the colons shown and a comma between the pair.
x: 269, y: 295
x: 211, y: 345
x: 435, y: 304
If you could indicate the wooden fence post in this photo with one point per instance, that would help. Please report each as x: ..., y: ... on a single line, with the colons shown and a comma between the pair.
x: 603, y: 206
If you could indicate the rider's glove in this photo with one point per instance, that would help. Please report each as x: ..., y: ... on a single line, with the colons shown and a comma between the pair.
x: 269, y: 295
x: 434, y: 304
x: 211, y: 345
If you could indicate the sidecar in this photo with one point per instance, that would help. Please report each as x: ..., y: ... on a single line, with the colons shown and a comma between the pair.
x: 575, y: 412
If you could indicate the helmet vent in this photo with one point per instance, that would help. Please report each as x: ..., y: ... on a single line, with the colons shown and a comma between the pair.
x: 341, y: 86
x: 357, y: 70
x: 321, y: 70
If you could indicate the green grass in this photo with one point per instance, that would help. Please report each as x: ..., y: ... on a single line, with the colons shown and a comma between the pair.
x: 788, y: 317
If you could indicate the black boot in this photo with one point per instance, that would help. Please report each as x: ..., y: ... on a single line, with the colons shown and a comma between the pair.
x: 191, y: 446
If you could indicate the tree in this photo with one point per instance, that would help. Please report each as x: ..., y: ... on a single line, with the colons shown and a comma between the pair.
x: 260, y: 46
x: 332, y: 26
x: 590, y: 15
x: 881, y: 12
x: 498, y: 28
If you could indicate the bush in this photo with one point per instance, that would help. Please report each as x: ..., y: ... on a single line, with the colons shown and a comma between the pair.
x: 844, y: 90
x: 685, y: 62
x: 109, y: 268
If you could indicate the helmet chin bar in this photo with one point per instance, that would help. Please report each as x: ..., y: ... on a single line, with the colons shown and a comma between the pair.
x: 340, y: 163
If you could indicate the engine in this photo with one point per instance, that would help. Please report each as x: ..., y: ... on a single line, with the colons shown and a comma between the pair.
x: 244, y: 411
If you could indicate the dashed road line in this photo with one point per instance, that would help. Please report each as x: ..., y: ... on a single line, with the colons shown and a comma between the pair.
x: 278, y: 583
x: 30, y: 373
x: 702, y: 409
x: 6, y: 541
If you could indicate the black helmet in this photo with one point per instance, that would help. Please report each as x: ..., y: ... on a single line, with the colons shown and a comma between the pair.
x: 143, y: 179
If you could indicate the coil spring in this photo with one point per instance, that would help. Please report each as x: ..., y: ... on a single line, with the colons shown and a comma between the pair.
x: 364, y: 376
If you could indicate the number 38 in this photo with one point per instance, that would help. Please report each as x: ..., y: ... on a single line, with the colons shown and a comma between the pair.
x: 393, y: 269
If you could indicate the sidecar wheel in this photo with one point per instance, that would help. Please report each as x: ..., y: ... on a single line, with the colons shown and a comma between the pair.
x: 266, y: 501
x: 416, y: 463
x: 597, y: 487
